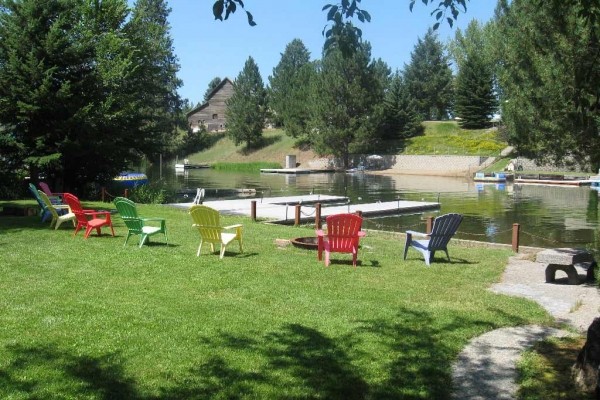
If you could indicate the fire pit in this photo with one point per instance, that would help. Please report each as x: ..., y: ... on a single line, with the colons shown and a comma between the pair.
x: 310, y: 243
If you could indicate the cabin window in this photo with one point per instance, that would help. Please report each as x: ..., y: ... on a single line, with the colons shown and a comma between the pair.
x: 215, y: 116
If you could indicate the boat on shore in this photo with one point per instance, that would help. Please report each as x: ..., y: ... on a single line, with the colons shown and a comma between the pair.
x: 494, y: 177
x: 131, y: 179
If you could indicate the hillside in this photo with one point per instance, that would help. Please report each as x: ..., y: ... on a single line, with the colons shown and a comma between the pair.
x: 444, y: 137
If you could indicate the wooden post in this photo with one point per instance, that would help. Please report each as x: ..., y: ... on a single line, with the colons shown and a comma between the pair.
x: 253, y: 210
x: 297, y: 216
x: 103, y: 193
x: 318, y: 216
x: 515, y: 237
x: 126, y: 193
x: 429, y: 225
x: 359, y: 213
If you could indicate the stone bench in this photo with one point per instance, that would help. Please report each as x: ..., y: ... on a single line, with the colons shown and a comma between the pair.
x: 564, y: 259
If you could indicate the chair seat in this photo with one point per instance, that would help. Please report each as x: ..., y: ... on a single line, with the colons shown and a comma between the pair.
x: 227, y: 238
x: 149, y: 230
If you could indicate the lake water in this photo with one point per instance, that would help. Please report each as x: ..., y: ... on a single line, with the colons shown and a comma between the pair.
x: 550, y: 216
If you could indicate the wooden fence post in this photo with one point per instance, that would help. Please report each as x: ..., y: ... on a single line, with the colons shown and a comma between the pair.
x: 515, y: 237
x: 253, y: 210
x: 126, y: 193
x: 318, y: 216
x: 297, y: 216
x: 429, y: 225
x: 103, y: 193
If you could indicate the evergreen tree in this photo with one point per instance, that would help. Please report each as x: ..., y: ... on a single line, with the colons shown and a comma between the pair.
x: 401, y: 119
x: 211, y: 86
x: 246, y: 109
x: 551, y: 81
x: 290, y: 88
x: 475, y: 101
x: 429, y: 78
x: 73, y: 102
x: 157, y: 70
x: 345, y: 96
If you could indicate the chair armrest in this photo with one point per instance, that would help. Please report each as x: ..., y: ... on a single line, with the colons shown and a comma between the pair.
x: 152, y: 219
x: 417, y: 233
x: 60, y: 206
x: 320, y: 233
x: 95, y: 213
x: 233, y: 226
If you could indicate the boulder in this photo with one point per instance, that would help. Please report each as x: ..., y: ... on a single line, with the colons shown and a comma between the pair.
x: 585, y: 370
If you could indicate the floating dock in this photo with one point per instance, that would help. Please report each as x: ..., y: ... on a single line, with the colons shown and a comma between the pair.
x: 191, y: 166
x: 282, y: 209
x: 556, y: 180
x: 295, y: 171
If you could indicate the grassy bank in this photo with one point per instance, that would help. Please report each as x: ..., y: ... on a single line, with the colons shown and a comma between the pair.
x: 439, y: 138
x: 94, y: 319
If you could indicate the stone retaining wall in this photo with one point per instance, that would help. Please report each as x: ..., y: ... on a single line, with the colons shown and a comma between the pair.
x: 414, y: 165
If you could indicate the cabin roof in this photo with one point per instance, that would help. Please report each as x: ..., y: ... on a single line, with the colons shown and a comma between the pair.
x: 210, y: 95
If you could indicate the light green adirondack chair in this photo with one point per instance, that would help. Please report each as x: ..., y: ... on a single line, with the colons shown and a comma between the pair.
x: 138, y: 225
x: 57, y: 220
x: 206, y: 220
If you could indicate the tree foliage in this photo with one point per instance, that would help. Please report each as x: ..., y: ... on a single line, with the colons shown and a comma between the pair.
x: 74, y: 101
x: 401, y: 119
x: 475, y: 101
x: 246, y: 109
x: 346, y: 96
x: 290, y: 88
x: 211, y: 86
x: 428, y: 78
x: 551, y: 81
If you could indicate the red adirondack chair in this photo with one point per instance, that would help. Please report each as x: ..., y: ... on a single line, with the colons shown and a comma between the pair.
x: 343, y: 234
x: 88, y: 219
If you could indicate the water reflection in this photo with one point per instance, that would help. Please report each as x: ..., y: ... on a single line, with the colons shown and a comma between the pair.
x: 550, y: 216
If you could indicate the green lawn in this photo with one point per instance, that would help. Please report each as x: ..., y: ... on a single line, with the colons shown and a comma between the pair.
x: 91, y: 319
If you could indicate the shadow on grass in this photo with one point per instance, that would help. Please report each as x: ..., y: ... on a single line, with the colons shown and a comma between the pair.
x: 413, y: 353
x: 264, y: 142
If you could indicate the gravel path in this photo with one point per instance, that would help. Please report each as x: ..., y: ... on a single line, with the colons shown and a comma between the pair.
x: 485, y: 369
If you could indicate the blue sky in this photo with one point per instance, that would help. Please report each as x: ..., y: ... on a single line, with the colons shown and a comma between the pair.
x: 207, y: 48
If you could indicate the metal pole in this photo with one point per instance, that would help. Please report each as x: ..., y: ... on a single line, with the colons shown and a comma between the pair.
x: 515, y: 237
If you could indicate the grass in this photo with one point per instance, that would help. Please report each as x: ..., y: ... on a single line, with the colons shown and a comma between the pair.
x: 447, y: 138
x: 545, y: 370
x: 94, y: 319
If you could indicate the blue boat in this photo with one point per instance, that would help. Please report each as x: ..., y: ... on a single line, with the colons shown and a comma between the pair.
x: 131, y: 179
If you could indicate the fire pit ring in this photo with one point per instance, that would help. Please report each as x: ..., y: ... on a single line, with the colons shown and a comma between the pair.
x: 309, y: 243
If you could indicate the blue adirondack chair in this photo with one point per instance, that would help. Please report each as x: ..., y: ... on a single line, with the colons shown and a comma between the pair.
x: 444, y: 227
x: 45, y: 213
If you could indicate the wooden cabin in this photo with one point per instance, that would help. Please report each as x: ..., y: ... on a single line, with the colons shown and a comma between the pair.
x: 211, y: 114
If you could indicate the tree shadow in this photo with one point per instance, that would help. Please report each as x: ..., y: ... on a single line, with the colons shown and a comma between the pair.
x: 63, y: 372
x: 264, y: 142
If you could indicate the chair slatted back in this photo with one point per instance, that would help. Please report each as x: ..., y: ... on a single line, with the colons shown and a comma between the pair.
x: 75, y: 206
x: 342, y: 232
x: 444, y: 227
x: 128, y: 212
x: 207, y: 220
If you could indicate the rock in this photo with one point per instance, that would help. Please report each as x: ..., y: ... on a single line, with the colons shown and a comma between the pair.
x: 585, y: 370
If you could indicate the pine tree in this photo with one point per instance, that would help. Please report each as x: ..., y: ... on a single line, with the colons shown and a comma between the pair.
x: 345, y: 96
x: 475, y: 101
x: 290, y: 88
x: 401, y: 119
x: 211, y: 86
x: 246, y: 109
x: 429, y: 78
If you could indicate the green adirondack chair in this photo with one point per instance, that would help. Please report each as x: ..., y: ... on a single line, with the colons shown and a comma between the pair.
x: 137, y: 225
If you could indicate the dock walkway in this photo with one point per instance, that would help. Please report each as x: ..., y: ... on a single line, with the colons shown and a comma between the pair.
x: 282, y: 209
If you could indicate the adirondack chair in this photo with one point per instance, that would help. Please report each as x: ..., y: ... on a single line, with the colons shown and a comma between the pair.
x: 137, y: 225
x: 45, y: 212
x: 444, y: 227
x: 57, y: 219
x: 343, y: 234
x: 88, y: 219
x: 46, y: 189
x: 206, y: 220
